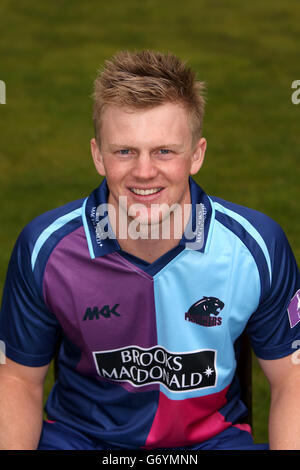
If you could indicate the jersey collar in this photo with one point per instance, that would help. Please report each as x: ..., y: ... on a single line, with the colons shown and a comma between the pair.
x: 102, y: 240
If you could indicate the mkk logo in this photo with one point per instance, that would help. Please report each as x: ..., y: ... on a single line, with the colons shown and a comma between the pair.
x: 106, y: 312
x: 205, y: 312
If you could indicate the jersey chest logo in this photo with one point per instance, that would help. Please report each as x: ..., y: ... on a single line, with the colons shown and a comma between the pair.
x: 105, y: 312
x: 205, y: 312
x: 177, y: 371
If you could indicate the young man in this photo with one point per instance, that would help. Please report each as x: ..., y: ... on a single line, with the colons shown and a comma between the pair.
x: 148, y: 284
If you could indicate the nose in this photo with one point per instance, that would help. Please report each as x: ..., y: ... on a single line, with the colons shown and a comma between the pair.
x: 144, y: 167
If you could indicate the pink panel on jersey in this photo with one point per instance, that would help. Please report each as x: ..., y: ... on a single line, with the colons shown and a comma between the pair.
x: 179, y: 423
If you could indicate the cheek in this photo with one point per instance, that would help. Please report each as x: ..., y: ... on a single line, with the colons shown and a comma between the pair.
x: 115, y: 173
x: 178, y: 173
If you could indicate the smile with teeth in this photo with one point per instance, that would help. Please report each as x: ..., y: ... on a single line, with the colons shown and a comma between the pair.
x: 145, y: 192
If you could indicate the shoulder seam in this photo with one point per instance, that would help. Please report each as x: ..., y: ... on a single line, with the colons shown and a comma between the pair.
x: 48, y: 231
x: 250, y: 229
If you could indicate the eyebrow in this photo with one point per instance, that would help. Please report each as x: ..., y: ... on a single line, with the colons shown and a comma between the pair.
x: 126, y: 146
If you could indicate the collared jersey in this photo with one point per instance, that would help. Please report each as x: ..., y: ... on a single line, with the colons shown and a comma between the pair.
x: 148, y: 351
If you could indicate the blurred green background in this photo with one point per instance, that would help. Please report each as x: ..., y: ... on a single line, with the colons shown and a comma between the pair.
x: 246, y: 52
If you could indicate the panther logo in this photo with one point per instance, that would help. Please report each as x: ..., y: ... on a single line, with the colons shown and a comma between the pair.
x: 205, y: 312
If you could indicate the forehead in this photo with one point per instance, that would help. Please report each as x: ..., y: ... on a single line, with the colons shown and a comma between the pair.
x: 169, y: 120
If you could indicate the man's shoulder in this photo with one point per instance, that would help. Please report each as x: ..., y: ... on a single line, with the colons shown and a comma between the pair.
x: 49, y: 222
x: 264, y: 238
x: 253, y: 221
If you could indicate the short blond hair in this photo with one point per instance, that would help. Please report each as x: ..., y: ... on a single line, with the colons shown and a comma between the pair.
x: 146, y: 79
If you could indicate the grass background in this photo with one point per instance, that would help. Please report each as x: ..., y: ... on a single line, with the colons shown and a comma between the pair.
x: 246, y: 52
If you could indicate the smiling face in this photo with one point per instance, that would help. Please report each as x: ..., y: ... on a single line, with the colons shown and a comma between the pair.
x: 147, y: 157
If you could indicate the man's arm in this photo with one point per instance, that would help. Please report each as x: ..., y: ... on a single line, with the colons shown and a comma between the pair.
x: 284, y: 378
x: 21, y: 405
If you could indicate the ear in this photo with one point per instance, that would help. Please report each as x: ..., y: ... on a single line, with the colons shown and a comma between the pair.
x: 198, y: 156
x: 97, y: 157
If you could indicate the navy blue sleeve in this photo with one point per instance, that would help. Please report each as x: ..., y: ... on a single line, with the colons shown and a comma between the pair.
x: 275, y: 325
x: 27, y: 328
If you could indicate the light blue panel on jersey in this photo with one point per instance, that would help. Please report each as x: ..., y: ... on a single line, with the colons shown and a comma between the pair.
x: 87, y: 232
x: 251, y: 230
x: 227, y: 273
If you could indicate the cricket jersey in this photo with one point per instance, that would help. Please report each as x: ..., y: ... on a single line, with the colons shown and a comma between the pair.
x: 149, y: 350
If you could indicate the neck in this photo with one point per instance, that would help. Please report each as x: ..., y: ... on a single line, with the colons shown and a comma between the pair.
x: 150, y: 242
x: 148, y: 250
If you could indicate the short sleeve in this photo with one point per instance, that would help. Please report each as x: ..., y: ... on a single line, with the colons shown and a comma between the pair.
x: 276, y: 323
x: 27, y: 328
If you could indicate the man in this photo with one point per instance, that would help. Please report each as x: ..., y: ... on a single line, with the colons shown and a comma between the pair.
x: 148, y: 285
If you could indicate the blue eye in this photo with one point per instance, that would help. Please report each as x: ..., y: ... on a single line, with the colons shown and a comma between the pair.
x: 165, y: 151
x: 124, y: 151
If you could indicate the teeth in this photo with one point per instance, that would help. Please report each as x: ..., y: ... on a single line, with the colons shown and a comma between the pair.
x: 145, y: 192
